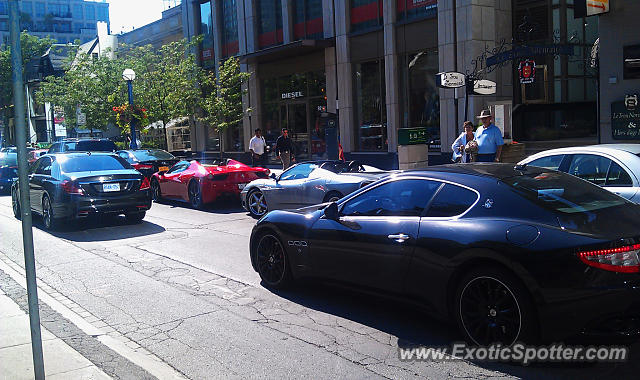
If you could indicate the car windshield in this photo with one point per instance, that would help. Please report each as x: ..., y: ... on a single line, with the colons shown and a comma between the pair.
x: 562, y: 192
x: 7, y: 172
x: 151, y: 155
x: 90, y: 146
x: 73, y: 164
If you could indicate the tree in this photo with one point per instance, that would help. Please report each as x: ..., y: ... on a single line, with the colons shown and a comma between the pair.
x: 222, y: 105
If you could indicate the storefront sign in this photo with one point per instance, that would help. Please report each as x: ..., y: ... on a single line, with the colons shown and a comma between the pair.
x: 412, y: 136
x: 58, y: 122
x: 484, y: 87
x: 450, y: 79
x: 530, y: 51
x: 585, y: 8
x: 625, y: 119
x: 292, y: 95
x: 527, y: 71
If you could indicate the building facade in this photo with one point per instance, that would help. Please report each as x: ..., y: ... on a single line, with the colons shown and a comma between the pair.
x: 63, y: 20
x: 166, y: 30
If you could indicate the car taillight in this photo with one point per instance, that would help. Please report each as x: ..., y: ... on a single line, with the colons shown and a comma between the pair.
x: 623, y: 259
x: 71, y: 187
x: 145, y: 184
x: 142, y: 166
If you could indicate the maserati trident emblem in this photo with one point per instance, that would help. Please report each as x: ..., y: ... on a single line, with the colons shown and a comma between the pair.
x: 488, y: 203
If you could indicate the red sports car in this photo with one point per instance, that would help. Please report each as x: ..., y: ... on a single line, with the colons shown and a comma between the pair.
x: 202, y: 182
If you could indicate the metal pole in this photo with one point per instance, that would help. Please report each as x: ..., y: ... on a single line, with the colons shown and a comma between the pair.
x: 134, y: 144
x: 25, y: 209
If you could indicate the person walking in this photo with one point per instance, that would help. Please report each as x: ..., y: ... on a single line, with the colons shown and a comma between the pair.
x: 284, y: 149
x: 257, y: 146
x: 489, y: 138
x: 458, y: 146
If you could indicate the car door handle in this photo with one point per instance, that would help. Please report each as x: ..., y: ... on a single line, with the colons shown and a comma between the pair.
x: 400, y: 238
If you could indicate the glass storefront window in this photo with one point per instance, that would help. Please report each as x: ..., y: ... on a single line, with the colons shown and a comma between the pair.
x: 421, y: 107
x: 269, y: 22
x: 207, y: 55
x: 416, y: 9
x: 365, y: 14
x: 230, y: 44
x: 371, y: 110
x: 234, y: 139
x: 307, y: 19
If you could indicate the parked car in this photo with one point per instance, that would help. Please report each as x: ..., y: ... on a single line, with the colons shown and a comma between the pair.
x: 9, y: 156
x: 8, y: 174
x: 36, y: 153
x: 83, y: 145
x: 615, y: 167
x: 149, y: 161
x: 305, y: 184
x: 508, y: 254
x: 76, y: 185
x: 202, y: 182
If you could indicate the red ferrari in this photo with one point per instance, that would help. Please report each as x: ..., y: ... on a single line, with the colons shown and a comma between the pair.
x: 202, y: 182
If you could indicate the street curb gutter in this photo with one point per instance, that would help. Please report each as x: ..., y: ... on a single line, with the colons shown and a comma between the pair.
x: 141, y: 357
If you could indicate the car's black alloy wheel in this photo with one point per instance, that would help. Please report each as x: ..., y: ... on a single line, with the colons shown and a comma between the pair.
x: 492, y: 307
x: 273, y: 265
x: 15, y: 205
x: 195, y: 195
x: 48, y: 217
x: 156, y: 193
x: 257, y: 204
x: 332, y: 196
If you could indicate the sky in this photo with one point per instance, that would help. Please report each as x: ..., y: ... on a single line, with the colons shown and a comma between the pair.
x: 128, y: 14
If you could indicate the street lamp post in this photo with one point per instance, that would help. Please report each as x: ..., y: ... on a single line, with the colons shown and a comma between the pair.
x: 130, y: 75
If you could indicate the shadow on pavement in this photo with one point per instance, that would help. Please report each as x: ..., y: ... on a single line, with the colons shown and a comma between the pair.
x: 101, y: 229
x: 414, y: 328
x: 220, y: 206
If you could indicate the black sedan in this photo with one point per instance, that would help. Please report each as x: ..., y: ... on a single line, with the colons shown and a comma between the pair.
x: 149, y: 161
x: 509, y: 253
x: 69, y: 186
x: 8, y: 174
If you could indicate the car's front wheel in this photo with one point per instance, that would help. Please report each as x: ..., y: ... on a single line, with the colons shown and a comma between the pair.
x: 272, y: 261
x: 257, y: 204
x: 15, y: 205
x: 492, y: 306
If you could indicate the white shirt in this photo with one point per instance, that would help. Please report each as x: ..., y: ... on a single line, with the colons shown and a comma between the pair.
x: 256, y: 144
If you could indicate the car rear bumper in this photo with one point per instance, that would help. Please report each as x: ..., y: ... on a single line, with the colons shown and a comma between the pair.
x: 77, y: 206
x: 212, y: 190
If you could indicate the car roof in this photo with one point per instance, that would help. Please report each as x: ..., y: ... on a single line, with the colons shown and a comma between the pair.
x: 601, y: 148
x: 78, y: 154
x: 498, y: 171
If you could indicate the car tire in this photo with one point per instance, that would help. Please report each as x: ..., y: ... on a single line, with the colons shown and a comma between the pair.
x: 332, y: 196
x: 257, y: 204
x: 135, y: 217
x: 15, y: 205
x: 156, y: 193
x: 492, y: 306
x: 48, y: 217
x: 195, y: 195
x: 272, y: 261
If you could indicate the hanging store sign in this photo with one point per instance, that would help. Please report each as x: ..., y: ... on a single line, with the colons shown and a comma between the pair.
x: 527, y: 71
x: 625, y: 119
x: 450, y: 79
x: 484, y: 87
x: 530, y: 51
x: 292, y: 95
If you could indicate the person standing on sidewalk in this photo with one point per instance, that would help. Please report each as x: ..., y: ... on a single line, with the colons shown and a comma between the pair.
x: 489, y: 138
x: 284, y: 149
x: 257, y: 147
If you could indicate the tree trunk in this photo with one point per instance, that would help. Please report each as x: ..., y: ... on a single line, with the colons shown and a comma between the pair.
x: 221, y: 145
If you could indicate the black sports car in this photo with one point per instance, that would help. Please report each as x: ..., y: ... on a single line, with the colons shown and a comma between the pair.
x: 149, y: 161
x: 509, y: 253
x: 76, y: 185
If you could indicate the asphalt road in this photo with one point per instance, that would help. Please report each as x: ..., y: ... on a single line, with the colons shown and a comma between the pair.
x: 180, y: 286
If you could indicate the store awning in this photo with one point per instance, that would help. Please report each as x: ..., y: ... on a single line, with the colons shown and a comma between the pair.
x: 291, y: 49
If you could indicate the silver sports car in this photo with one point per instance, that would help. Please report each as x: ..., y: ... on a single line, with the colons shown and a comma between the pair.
x: 307, y: 183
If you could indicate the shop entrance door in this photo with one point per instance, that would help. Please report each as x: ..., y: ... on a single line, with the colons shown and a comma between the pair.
x: 294, y: 118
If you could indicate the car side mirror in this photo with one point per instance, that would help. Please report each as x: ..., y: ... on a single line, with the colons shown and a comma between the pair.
x: 331, y: 211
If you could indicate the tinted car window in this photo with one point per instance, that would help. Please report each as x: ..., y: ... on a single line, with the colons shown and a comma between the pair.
x: 90, y: 146
x: 299, y: 171
x: 590, y: 167
x: 404, y: 197
x: 150, y: 155
x: 180, y: 166
x: 549, y: 162
x: 562, y: 193
x: 451, y: 200
x: 44, y: 168
x: 8, y: 172
x: 72, y: 164
x: 618, y: 176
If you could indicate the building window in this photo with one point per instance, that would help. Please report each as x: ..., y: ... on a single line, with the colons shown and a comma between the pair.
x: 77, y: 11
x: 103, y: 14
x: 229, y: 28
x: 365, y: 14
x: 4, y: 26
x: 27, y: 7
x: 4, y: 7
x: 207, y: 54
x: 371, y: 110
x: 90, y: 12
x: 421, y: 102
x: 307, y: 19
x: 59, y: 10
x: 269, y: 22
x: 40, y: 9
x: 416, y: 9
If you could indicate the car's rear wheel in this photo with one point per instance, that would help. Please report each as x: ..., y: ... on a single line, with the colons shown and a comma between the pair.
x: 195, y: 195
x: 15, y: 205
x: 135, y: 217
x: 48, y: 217
x: 272, y: 262
x: 156, y: 193
x: 492, y: 306
x: 332, y: 196
x: 257, y: 203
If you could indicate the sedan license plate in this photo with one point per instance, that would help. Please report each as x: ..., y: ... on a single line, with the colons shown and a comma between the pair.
x: 241, y: 185
x: 163, y: 169
x: 106, y: 187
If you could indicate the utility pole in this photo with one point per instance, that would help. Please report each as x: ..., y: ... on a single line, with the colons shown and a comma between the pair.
x: 25, y: 204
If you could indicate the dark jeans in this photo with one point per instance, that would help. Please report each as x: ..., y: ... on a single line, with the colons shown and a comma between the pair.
x: 259, y: 160
x: 490, y: 157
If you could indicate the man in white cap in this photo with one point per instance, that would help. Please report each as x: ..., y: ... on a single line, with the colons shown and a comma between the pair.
x: 489, y: 138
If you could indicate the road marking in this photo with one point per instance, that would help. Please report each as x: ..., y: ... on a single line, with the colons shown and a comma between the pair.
x: 141, y: 357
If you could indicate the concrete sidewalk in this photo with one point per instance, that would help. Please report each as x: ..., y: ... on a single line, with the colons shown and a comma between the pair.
x: 60, y: 360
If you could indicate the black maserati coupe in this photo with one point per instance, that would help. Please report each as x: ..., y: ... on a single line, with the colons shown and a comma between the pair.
x: 510, y: 253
